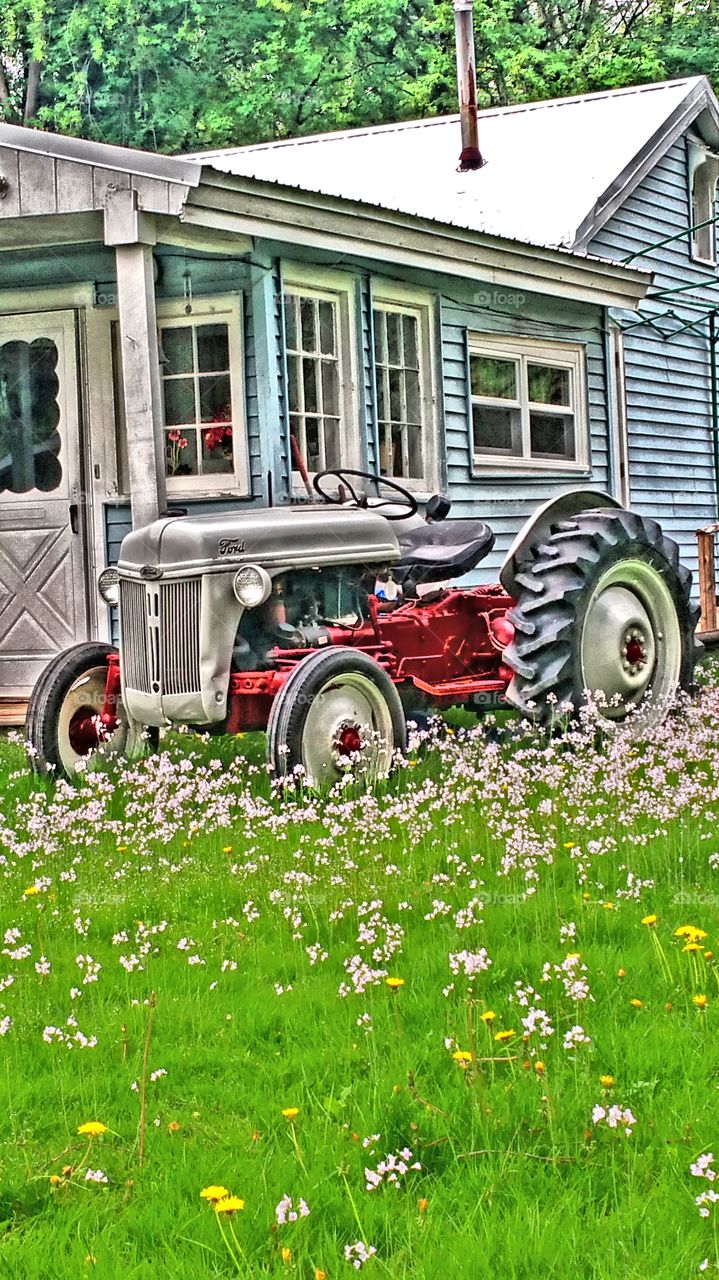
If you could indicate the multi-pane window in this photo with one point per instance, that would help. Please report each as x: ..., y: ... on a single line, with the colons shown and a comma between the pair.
x: 199, y: 414
x: 314, y: 377
x: 527, y: 403
x: 400, y: 400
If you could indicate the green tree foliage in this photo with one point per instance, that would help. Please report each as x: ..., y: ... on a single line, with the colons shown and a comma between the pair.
x: 182, y: 74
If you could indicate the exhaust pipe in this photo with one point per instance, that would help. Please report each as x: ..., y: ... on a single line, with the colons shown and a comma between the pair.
x: 471, y: 156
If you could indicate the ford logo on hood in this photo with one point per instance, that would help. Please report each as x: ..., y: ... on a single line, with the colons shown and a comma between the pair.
x: 151, y: 571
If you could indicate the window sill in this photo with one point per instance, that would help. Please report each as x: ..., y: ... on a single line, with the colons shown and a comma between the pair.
x: 507, y: 469
x: 194, y: 495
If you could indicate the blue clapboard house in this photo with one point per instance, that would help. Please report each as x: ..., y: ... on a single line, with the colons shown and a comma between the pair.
x: 197, y: 332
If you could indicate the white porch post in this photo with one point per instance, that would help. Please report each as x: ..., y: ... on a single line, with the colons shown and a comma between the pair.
x: 132, y: 235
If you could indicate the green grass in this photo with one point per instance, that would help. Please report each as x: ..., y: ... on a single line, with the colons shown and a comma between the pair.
x: 515, y: 1179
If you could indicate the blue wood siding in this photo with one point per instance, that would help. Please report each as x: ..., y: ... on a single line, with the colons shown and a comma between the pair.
x: 671, y: 471
x: 502, y: 498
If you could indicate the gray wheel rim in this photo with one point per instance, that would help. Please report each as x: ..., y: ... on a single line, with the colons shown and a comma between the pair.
x: 631, y: 644
x: 348, y: 702
x: 87, y: 690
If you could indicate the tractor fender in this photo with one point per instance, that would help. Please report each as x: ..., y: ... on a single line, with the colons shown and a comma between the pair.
x: 537, y: 529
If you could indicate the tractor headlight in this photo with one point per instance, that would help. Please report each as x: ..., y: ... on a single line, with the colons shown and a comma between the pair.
x: 108, y: 584
x: 252, y: 585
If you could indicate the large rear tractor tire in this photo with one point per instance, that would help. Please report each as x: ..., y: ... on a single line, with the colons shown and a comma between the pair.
x: 604, y: 611
x: 337, y: 711
x: 62, y: 726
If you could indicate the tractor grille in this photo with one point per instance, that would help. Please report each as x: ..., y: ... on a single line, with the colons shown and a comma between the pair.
x: 133, y: 635
x: 180, y: 636
x: 160, y: 634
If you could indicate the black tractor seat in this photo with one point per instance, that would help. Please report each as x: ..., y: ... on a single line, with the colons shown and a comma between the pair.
x: 435, y: 552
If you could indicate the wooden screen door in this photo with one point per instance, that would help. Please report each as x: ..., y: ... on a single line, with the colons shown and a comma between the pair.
x: 42, y: 557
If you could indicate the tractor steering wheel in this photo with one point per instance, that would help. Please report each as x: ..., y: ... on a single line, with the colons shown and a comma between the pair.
x: 408, y: 503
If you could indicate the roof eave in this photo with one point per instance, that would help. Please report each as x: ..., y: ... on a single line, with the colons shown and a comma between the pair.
x: 272, y: 211
x: 699, y: 99
x: 145, y: 164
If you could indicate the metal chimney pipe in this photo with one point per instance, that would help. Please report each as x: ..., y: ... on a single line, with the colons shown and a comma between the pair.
x: 471, y: 156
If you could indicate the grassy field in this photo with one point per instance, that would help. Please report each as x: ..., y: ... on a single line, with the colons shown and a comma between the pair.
x: 450, y: 1016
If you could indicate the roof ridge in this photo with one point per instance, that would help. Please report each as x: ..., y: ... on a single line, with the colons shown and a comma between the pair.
x: 364, y: 131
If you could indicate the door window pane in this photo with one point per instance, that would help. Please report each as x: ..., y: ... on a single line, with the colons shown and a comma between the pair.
x: 29, y: 417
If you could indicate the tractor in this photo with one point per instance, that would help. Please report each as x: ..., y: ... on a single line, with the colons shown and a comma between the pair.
x: 329, y: 623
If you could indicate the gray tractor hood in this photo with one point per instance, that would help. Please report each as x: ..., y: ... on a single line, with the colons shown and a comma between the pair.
x: 276, y: 538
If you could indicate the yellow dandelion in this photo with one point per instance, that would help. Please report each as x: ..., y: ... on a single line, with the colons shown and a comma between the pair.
x: 423, y: 1204
x: 691, y: 946
x: 92, y: 1128
x: 636, y: 1004
x: 586, y: 897
x: 214, y: 1193
x: 286, y: 1254
x: 621, y: 973
x: 708, y: 955
x: 320, y: 1274
x: 701, y: 1002
x: 608, y: 906
x: 569, y: 844
x: 55, y: 1179
x: 227, y: 848
x: 462, y: 1055
x: 290, y: 1112
x: 173, y: 1127
x: 394, y: 983
x: 606, y: 1081
x: 539, y: 1068
x: 488, y: 1016
x: 502, y: 1036
x: 30, y: 891
x: 650, y: 920
x: 690, y: 931
x: 229, y: 1204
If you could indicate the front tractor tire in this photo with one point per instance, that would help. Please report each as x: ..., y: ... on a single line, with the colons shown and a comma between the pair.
x: 62, y: 726
x: 337, y: 711
x: 604, y: 610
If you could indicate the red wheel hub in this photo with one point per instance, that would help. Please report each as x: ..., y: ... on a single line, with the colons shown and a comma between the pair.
x: 349, y: 740
x: 635, y: 653
x: 85, y: 731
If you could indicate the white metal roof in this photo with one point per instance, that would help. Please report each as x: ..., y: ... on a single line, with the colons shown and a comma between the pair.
x: 551, y: 166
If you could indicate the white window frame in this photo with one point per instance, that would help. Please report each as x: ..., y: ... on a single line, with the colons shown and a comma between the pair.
x: 704, y: 170
x: 525, y: 351
x: 174, y: 314
x: 389, y: 295
x: 338, y: 288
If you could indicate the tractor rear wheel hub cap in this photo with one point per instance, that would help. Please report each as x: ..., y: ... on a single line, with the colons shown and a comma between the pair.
x: 619, y: 646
